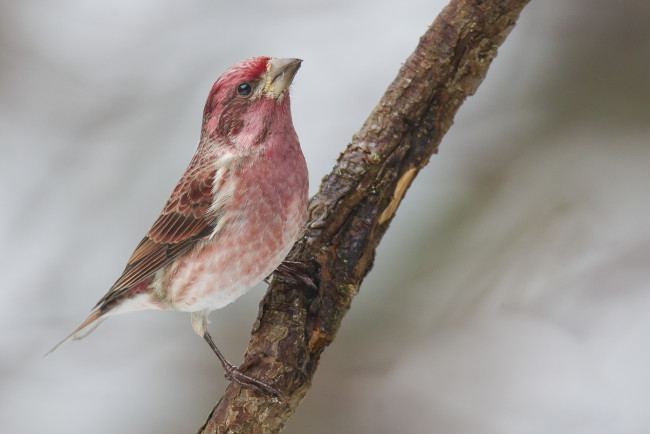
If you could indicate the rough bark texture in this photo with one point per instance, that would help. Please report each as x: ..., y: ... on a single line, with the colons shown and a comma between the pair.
x: 355, y: 205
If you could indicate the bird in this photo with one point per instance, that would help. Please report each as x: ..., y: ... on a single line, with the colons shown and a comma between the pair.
x: 234, y: 214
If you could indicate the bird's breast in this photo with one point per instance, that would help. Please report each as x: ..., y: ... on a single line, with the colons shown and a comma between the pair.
x: 261, y: 221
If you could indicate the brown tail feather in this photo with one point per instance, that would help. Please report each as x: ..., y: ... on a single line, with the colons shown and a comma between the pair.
x: 93, y: 320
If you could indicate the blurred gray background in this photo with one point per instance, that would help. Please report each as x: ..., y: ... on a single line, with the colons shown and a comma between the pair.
x: 510, y: 295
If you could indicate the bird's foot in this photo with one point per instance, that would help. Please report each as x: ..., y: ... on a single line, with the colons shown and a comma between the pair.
x: 296, y: 272
x: 232, y: 373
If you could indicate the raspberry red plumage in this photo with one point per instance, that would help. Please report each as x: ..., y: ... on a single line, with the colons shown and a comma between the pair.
x: 224, y: 88
x: 235, y: 212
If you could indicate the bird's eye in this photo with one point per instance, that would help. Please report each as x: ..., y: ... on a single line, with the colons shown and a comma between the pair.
x: 244, y: 89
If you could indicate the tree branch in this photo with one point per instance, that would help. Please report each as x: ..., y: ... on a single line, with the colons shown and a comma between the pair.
x: 355, y: 205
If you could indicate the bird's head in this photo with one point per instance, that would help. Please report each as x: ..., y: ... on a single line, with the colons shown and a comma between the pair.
x: 249, y: 101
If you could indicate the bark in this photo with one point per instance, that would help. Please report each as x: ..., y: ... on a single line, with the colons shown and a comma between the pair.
x: 356, y: 202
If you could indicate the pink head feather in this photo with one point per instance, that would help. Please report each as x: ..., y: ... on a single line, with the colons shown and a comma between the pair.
x: 224, y: 88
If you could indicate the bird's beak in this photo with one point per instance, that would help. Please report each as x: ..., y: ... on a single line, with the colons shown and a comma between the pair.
x: 279, y: 75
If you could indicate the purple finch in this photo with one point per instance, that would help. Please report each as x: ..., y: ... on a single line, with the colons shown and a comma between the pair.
x: 234, y: 214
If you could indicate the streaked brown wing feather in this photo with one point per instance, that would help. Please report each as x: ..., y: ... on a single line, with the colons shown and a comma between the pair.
x: 161, y: 254
x: 185, y: 219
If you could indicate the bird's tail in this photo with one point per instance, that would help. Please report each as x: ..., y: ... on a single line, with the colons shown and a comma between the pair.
x: 90, y: 324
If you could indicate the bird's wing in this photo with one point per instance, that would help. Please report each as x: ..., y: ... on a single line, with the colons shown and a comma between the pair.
x: 186, y: 219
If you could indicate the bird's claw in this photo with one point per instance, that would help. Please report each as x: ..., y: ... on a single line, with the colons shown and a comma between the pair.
x: 232, y: 373
x: 295, y: 272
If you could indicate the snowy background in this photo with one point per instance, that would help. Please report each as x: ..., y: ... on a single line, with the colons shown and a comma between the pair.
x: 510, y: 295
